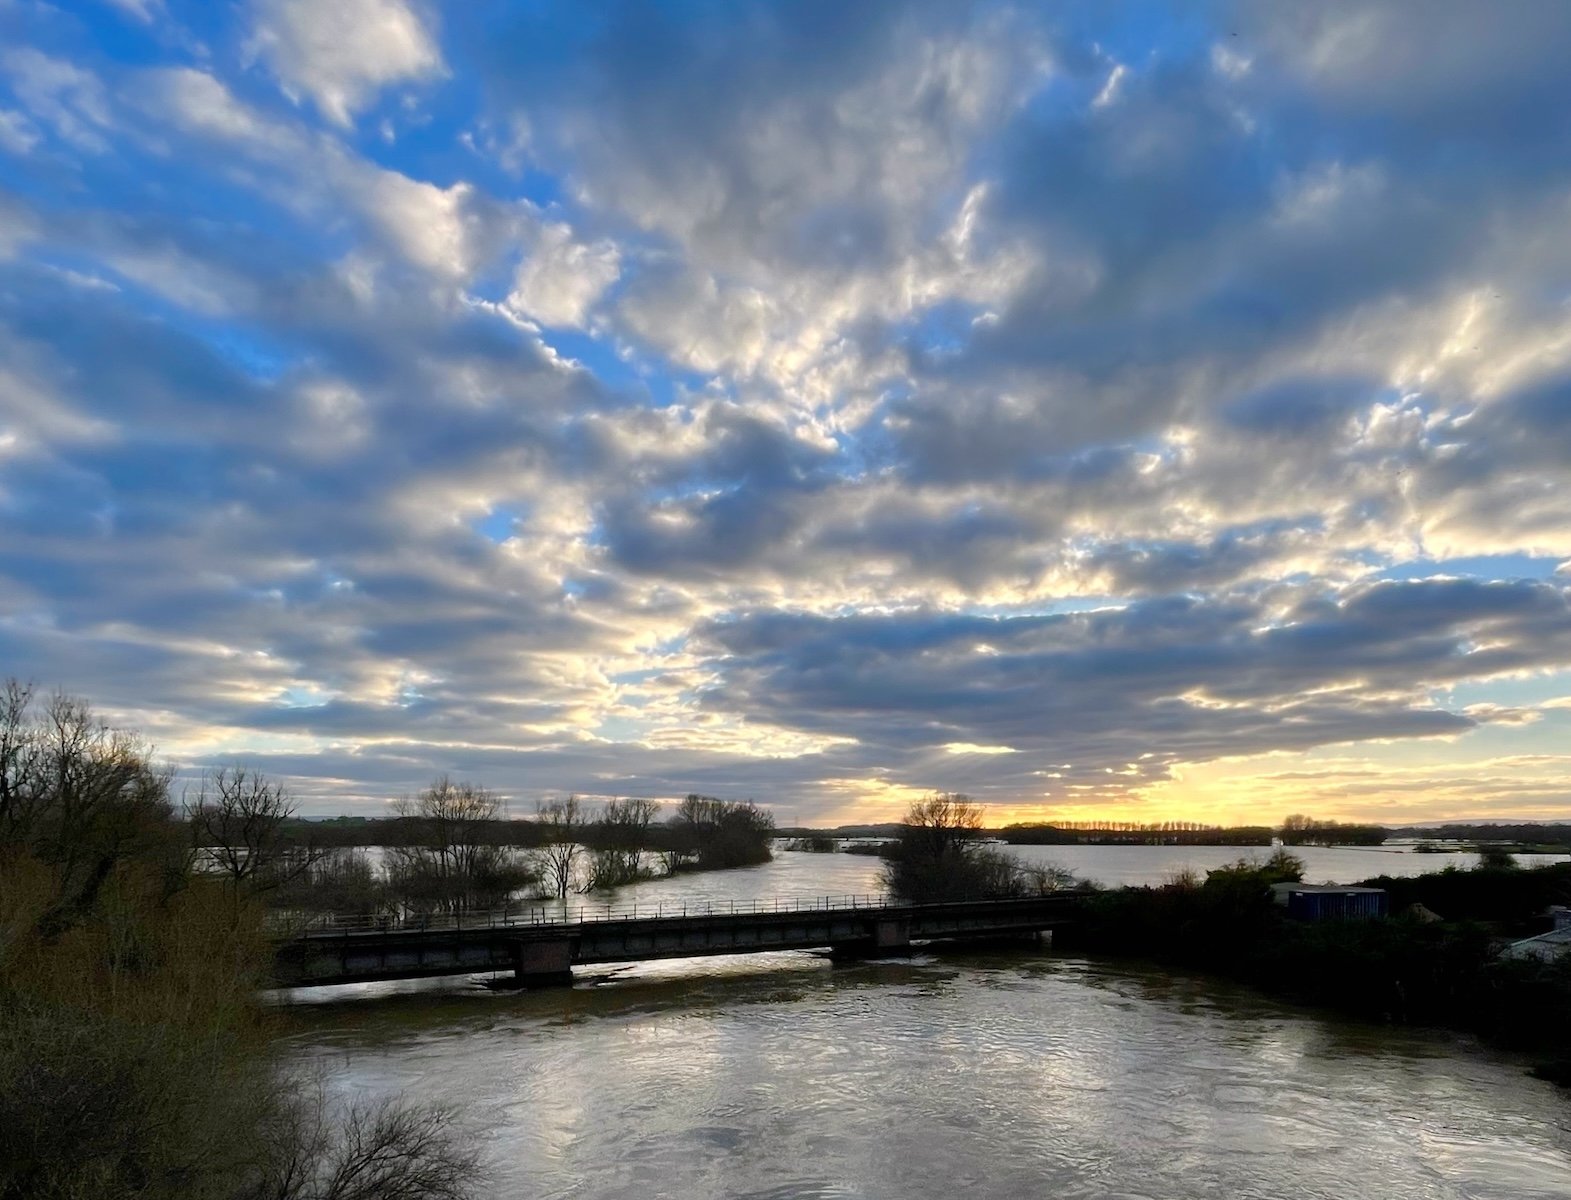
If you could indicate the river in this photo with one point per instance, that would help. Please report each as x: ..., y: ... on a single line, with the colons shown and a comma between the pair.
x: 801, y: 875
x: 987, y: 1074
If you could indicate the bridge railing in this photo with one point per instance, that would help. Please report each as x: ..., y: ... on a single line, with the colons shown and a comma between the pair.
x: 548, y: 915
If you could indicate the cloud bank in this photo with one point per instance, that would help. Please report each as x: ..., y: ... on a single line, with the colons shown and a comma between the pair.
x: 1156, y: 413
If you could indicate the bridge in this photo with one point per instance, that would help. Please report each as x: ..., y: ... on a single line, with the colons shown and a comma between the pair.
x: 542, y: 946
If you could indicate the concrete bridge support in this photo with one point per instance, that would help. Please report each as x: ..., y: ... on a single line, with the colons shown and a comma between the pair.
x: 892, y: 936
x: 543, y: 962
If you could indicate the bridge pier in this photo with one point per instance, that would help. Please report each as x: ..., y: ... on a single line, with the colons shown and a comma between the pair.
x: 892, y: 936
x: 543, y: 962
x: 884, y: 937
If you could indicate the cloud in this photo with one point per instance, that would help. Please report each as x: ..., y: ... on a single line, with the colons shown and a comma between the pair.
x: 343, y: 54
x: 1132, y: 690
x: 62, y: 97
x: 447, y: 231
x: 794, y: 400
x: 144, y: 11
x: 17, y: 134
x: 561, y: 278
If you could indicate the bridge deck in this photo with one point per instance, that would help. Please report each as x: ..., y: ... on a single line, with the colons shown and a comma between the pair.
x: 540, y: 950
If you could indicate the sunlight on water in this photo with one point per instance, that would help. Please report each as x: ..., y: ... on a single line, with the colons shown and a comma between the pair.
x: 979, y: 1074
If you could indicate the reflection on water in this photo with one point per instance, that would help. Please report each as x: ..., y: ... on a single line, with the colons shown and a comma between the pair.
x: 999, y: 1074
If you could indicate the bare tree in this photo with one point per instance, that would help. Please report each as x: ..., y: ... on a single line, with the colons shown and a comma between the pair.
x: 239, y: 818
x: 451, y: 858
x: 1045, y: 878
x: 939, y: 854
x: 451, y: 821
x: 564, y: 823
x: 620, y: 836
x: 944, y: 821
x: 78, y: 795
x: 384, y: 1151
x: 21, y: 761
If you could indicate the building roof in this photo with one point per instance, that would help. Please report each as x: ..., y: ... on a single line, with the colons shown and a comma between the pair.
x: 1556, y: 941
x: 1333, y: 888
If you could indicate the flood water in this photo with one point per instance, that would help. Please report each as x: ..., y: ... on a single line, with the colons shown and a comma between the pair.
x: 795, y: 875
x: 993, y: 1074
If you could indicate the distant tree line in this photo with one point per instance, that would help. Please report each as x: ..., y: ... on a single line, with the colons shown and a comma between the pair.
x: 1301, y: 830
x: 1296, y: 830
x: 1102, y: 826
x: 1520, y: 833
x: 1170, y: 833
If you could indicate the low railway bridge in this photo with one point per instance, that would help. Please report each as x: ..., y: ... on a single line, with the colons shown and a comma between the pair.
x: 541, y: 946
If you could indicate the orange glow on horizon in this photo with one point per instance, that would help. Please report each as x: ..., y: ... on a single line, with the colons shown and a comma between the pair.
x: 1395, y: 785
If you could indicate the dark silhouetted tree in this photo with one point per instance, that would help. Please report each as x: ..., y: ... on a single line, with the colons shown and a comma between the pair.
x: 239, y: 821
x: 450, y: 858
x: 939, y: 854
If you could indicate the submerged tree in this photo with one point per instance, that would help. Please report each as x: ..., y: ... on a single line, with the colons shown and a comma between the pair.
x: 939, y: 854
x: 340, y: 880
x: 619, y: 840
x: 564, y: 822
x: 450, y: 858
x: 709, y: 834
x: 1495, y: 857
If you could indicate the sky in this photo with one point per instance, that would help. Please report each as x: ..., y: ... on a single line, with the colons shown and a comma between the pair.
x: 1133, y: 410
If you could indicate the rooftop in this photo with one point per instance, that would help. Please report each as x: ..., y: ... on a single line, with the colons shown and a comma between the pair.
x: 1337, y: 888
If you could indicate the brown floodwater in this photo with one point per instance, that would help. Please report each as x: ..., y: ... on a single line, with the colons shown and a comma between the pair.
x: 1004, y: 1073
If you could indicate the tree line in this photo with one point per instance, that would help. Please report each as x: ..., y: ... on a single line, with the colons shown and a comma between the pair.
x: 1174, y: 833
x: 451, y: 850
x: 1301, y: 830
x: 1520, y: 833
x: 1104, y: 826
x: 1295, y: 830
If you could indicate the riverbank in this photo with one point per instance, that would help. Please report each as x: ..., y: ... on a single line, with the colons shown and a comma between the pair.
x: 1410, y: 969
